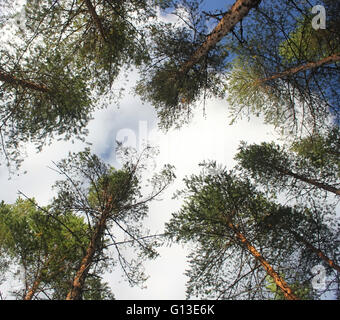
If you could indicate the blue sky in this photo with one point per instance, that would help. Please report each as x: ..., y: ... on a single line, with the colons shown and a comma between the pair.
x: 217, y: 4
x: 205, y: 138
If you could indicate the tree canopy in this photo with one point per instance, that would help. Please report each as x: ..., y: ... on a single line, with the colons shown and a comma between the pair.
x: 43, y: 251
x: 256, y: 230
x: 244, y: 242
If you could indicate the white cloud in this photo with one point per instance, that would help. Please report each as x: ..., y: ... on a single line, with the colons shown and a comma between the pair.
x: 211, y: 138
x: 204, y: 139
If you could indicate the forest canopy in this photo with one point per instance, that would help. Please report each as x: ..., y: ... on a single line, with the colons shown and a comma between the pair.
x: 255, y: 227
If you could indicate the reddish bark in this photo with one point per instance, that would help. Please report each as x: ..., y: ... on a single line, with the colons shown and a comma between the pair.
x: 310, y: 181
x: 279, y: 281
x: 319, y: 253
x: 311, y: 65
x: 12, y: 80
x: 95, y: 18
x: 78, y: 282
x: 236, y: 13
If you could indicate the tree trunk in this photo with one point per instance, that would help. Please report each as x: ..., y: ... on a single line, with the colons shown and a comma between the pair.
x: 311, y: 65
x: 32, y: 291
x: 330, y: 262
x: 279, y: 281
x: 78, y: 282
x: 95, y: 18
x: 310, y: 181
x: 237, y: 12
x: 12, y: 80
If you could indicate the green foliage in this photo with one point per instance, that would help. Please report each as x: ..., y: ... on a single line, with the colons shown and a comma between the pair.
x: 275, y: 40
x: 262, y: 159
x: 94, y: 190
x: 44, y: 247
x: 305, y: 43
x: 102, y: 53
x: 116, y: 184
x: 26, y: 226
x: 29, y: 115
x: 303, y: 292
x: 62, y: 48
x: 171, y: 91
x: 248, y: 96
x: 50, y: 243
x: 279, y: 169
x: 308, y: 228
x: 323, y: 150
x: 220, y: 266
x: 96, y: 290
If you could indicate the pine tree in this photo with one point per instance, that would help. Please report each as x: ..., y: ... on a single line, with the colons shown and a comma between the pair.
x: 112, y: 202
x: 285, y: 70
x: 40, y: 98
x: 58, y: 66
x: 244, y: 242
x: 270, y: 164
x: 41, y: 246
x: 188, y: 62
x: 230, y: 259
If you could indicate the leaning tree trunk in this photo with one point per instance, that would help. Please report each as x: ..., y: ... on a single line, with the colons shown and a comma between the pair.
x: 79, y: 280
x: 279, y: 281
x: 311, y: 65
x: 35, y: 286
x: 14, y: 81
x: 311, y: 181
x: 320, y: 253
x: 237, y: 12
x: 31, y: 292
x: 95, y: 18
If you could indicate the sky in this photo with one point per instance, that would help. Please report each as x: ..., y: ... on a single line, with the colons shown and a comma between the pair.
x: 208, y: 137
